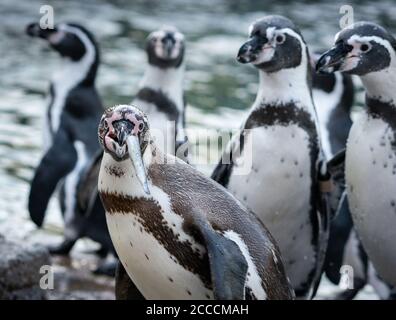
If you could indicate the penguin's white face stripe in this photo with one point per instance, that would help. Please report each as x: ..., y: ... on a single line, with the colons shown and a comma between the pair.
x: 269, y: 48
x: 356, y: 39
x: 70, y: 75
x: 253, y: 280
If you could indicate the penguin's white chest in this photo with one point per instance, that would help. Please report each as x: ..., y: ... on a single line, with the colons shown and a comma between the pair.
x: 147, y: 238
x: 371, y: 181
x: 153, y: 269
x: 278, y: 189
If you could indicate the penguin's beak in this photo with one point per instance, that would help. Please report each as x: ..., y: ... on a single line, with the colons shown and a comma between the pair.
x: 333, y: 59
x: 122, y: 132
x: 168, y: 44
x: 250, y: 50
x: 135, y: 154
x: 34, y: 30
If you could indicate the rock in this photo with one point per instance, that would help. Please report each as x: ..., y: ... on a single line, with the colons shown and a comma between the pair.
x: 20, y: 265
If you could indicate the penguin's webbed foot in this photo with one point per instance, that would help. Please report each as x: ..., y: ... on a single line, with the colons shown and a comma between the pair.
x: 62, y: 249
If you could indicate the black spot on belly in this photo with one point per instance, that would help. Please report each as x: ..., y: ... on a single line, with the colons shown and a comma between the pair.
x: 150, y: 215
x: 170, y: 279
x: 188, y: 292
x: 146, y: 256
x: 131, y: 244
x: 207, y: 296
x: 393, y: 203
x: 249, y: 295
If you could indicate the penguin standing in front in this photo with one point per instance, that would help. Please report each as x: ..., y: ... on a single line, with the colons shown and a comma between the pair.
x: 161, y: 94
x: 179, y: 235
x: 280, y: 138
x: 369, y: 51
x: 73, y: 112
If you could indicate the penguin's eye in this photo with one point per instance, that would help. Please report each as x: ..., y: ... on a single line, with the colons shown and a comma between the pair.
x: 365, y: 47
x: 105, y: 125
x: 141, y: 126
x: 280, y: 38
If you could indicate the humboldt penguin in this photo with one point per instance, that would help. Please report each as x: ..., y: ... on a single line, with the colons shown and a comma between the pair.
x: 71, y: 119
x: 161, y: 94
x: 369, y: 51
x: 280, y: 141
x: 179, y: 234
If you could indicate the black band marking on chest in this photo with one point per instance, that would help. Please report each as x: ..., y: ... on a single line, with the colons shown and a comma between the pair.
x: 150, y: 215
x: 161, y: 101
x: 386, y: 112
x: 283, y: 115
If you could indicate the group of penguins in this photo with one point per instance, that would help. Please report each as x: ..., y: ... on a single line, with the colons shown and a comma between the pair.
x: 319, y: 194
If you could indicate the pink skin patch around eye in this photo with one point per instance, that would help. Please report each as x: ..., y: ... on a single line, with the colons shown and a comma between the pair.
x: 117, y: 116
x: 56, y: 37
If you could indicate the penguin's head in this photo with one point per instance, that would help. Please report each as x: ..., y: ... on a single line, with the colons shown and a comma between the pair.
x: 165, y: 48
x: 117, y: 125
x: 68, y: 39
x: 124, y: 133
x: 274, y: 43
x: 360, y: 49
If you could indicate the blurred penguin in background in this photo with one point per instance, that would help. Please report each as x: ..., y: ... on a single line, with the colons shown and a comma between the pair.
x: 71, y: 121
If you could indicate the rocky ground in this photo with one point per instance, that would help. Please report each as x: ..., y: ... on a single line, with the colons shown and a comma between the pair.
x: 21, y: 260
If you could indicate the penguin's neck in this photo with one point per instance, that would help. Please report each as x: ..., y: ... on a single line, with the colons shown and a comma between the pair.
x: 72, y: 73
x: 283, y: 87
x: 168, y: 80
x: 381, y: 85
x: 120, y: 176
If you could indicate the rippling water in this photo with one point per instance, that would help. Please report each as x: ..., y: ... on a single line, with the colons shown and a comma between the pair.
x: 218, y: 89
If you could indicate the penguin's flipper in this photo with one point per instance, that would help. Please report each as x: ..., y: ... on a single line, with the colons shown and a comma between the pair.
x: 228, y: 265
x: 336, y: 169
x: 125, y: 289
x: 222, y: 172
x: 56, y: 164
x: 87, y: 189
